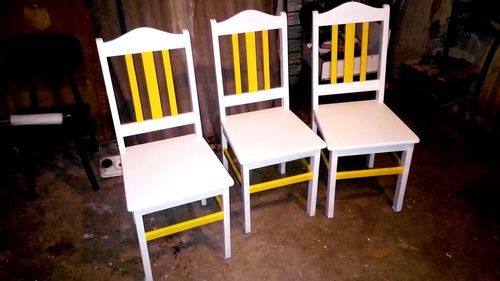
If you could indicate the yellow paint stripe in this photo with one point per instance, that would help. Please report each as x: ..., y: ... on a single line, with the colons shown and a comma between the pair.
x: 325, y: 159
x: 233, y: 165
x: 132, y: 78
x: 217, y: 199
x: 251, y: 61
x: 265, y: 58
x: 349, y: 52
x: 236, y: 63
x: 305, y: 164
x: 152, y: 84
x: 364, y: 51
x: 370, y: 172
x: 334, y: 53
x: 281, y: 182
x: 175, y: 228
x: 397, y: 157
x: 274, y: 183
x: 170, y: 82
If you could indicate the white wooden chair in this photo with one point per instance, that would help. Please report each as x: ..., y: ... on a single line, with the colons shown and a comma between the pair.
x: 265, y: 137
x: 174, y: 171
x: 357, y: 127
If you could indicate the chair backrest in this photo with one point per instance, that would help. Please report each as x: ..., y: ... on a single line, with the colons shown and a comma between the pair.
x: 153, y: 94
x: 248, y: 26
x: 343, y: 22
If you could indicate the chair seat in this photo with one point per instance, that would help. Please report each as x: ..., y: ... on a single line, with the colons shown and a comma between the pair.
x: 172, y: 172
x: 269, y: 134
x: 361, y: 124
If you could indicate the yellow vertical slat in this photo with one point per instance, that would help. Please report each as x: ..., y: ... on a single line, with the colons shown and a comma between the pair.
x: 236, y: 63
x: 152, y: 84
x: 265, y: 58
x: 333, y: 54
x: 350, y: 29
x: 364, y: 51
x: 134, y: 89
x: 170, y: 82
x: 251, y: 61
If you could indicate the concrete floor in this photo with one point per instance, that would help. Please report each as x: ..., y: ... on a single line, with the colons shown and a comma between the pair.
x: 449, y: 228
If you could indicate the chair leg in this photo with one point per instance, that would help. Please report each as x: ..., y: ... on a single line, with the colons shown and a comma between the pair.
x: 224, y: 147
x: 332, y: 178
x: 245, y: 187
x: 86, y: 164
x: 399, y: 195
x: 370, y: 161
x: 141, y: 235
x: 282, y: 168
x: 312, y: 191
x: 227, y: 224
x: 203, y: 202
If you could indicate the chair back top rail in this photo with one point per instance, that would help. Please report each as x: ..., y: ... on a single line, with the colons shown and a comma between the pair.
x: 246, y: 21
x: 351, y: 12
x: 143, y: 39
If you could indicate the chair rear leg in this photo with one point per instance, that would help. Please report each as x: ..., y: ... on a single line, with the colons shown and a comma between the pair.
x: 224, y: 147
x: 399, y: 194
x: 370, y: 161
x: 313, y: 184
x: 332, y: 179
x: 282, y: 168
x: 86, y: 164
x: 245, y: 188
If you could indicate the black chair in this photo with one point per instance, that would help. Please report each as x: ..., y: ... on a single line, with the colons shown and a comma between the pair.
x: 44, y: 64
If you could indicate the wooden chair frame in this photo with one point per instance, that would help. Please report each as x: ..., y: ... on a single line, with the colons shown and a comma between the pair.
x: 145, y: 41
x: 249, y: 22
x: 350, y: 14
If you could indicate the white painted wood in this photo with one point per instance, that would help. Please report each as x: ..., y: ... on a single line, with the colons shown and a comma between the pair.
x: 347, y: 88
x: 263, y: 95
x: 399, y: 195
x: 352, y: 125
x: 351, y: 12
x: 227, y: 224
x: 250, y: 21
x: 172, y: 172
x: 312, y: 191
x: 245, y: 189
x: 332, y: 181
x: 143, y: 245
x: 269, y: 134
x: 166, y: 173
x: 143, y: 39
x: 262, y: 137
x: 360, y: 127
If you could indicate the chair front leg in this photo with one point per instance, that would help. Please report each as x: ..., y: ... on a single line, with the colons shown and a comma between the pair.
x: 313, y: 184
x: 399, y: 194
x: 143, y: 245
x: 245, y: 188
x: 332, y: 178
